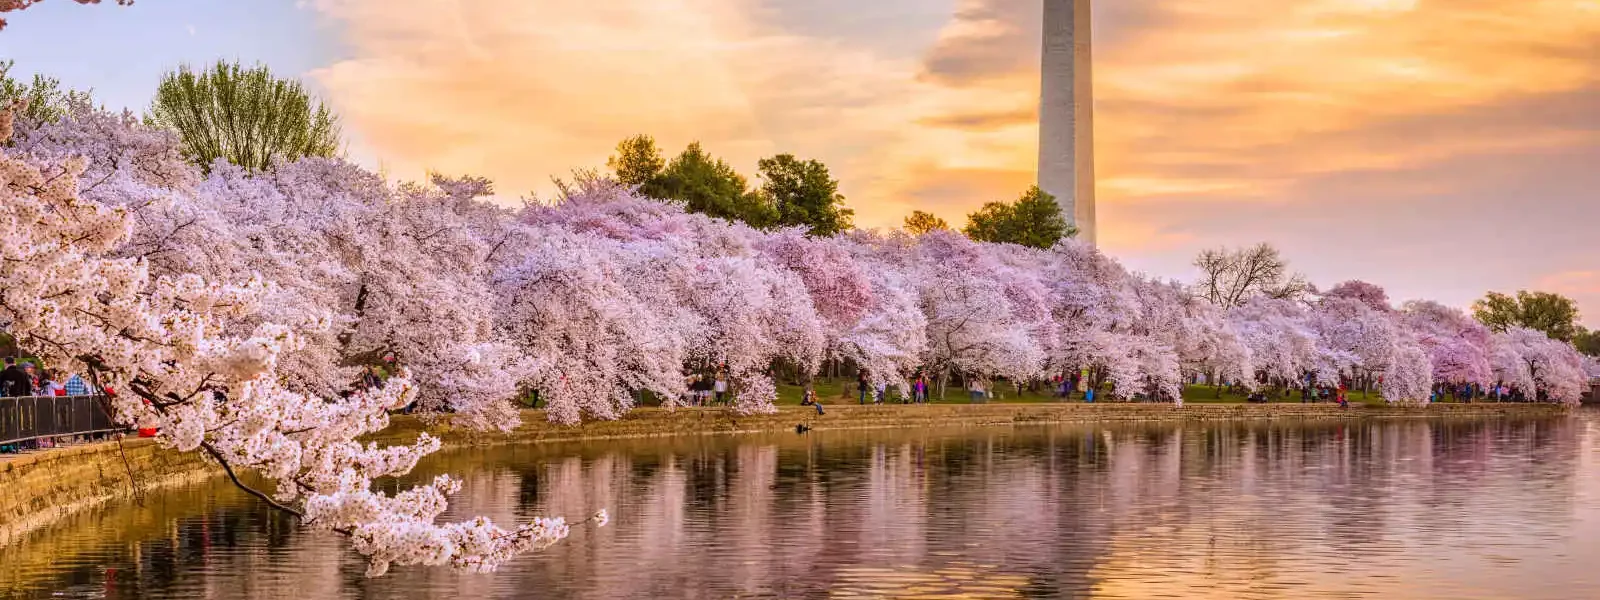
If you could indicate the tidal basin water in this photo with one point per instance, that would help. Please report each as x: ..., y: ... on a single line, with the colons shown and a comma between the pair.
x: 1362, y: 509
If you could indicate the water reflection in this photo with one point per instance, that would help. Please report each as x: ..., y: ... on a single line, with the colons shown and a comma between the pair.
x: 1394, y: 509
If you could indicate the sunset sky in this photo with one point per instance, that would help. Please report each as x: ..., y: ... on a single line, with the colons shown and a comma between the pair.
x: 1440, y: 148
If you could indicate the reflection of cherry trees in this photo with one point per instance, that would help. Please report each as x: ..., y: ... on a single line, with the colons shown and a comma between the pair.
x: 1063, y: 511
x: 895, y: 518
x: 749, y: 515
x: 120, y: 260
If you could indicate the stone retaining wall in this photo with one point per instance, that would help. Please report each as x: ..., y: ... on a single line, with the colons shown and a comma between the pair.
x: 652, y: 422
x: 39, y: 488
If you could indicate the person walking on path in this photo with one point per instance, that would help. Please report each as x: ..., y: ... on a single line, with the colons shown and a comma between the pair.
x: 721, y: 387
x: 975, y: 390
x: 861, y: 385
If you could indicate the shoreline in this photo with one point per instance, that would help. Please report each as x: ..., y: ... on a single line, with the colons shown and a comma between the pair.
x: 41, y: 488
x: 656, y: 422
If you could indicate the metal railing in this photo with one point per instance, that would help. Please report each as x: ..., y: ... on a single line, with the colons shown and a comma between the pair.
x: 27, y: 418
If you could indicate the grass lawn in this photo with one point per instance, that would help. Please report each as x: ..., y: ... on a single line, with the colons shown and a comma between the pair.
x: 843, y: 391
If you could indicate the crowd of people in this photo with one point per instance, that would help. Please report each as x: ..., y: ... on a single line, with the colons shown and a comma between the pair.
x: 866, y: 390
x: 1066, y: 387
x: 24, y: 378
x: 706, y: 389
x: 19, y: 379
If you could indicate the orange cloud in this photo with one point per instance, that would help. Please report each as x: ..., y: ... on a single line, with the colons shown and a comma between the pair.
x: 1308, y: 86
x: 1228, y: 101
x: 1248, y: 100
x: 520, y: 90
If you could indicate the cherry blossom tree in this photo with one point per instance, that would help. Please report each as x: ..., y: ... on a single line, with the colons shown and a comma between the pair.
x: 1139, y: 334
x: 1457, y: 344
x: 190, y: 358
x: 399, y: 272
x: 1361, y: 336
x: 1530, y: 360
x: 1281, y: 341
x: 891, y: 337
x: 1197, y: 331
x: 734, y: 307
x: 1094, y: 306
x: 1353, y: 338
x: 1408, y: 378
x: 983, y: 317
x: 603, y: 295
x: 594, y: 320
x: 1371, y: 295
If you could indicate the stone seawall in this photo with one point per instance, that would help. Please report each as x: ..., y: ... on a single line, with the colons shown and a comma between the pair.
x: 652, y: 422
x: 37, y: 489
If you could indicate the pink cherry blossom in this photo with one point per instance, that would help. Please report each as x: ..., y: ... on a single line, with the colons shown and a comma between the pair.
x: 276, y: 287
x: 196, y: 359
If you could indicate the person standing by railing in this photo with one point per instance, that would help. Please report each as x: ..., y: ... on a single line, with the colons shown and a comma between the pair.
x: 48, y: 386
x: 32, y: 371
x: 76, y: 386
x: 14, y: 381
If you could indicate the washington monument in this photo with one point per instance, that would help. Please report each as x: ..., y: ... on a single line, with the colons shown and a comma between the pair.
x: 1066, y: 114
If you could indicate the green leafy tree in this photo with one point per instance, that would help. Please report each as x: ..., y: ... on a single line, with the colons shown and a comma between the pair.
x: 244, y: 115
x: 1553, y: 314
x: 804, y: 194
x: 46, y: 100
x: 707, y: 185
x: 638, y: 162
x: 1033, y: 220
x: 922, y: 222
x: 1587, y: 342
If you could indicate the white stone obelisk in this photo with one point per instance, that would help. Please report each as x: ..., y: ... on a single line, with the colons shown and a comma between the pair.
x: 1066, y: 114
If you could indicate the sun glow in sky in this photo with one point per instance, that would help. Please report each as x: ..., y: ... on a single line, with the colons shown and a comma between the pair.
x: 1440, y: 148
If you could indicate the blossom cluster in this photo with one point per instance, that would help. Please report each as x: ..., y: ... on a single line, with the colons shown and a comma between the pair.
x: 199, y: 355
x: 235, y: 308
x: 604, y: 294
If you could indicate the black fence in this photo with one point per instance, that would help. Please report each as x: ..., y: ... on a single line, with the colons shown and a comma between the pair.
x: 36, y: 417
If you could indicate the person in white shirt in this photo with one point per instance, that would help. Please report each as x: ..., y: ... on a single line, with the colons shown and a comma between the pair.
x: 48, y: 386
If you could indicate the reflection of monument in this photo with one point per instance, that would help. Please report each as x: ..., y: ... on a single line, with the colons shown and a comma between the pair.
x: 1066, y: 114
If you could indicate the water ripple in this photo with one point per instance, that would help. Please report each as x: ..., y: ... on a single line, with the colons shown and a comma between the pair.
x: 1375, y: 509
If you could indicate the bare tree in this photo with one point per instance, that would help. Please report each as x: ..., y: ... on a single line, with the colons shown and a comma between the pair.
x: 1231, y: 277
